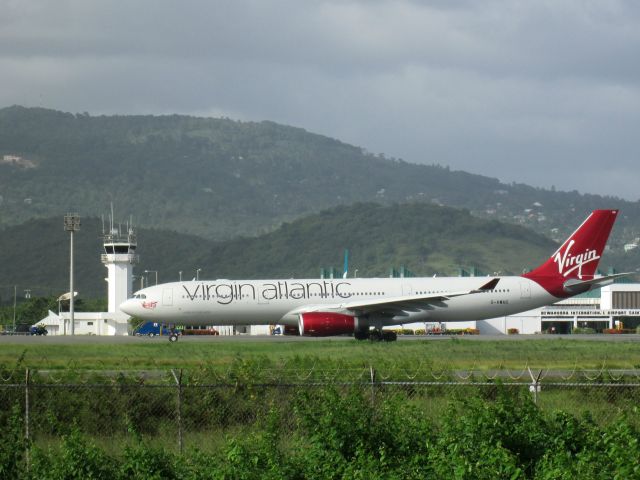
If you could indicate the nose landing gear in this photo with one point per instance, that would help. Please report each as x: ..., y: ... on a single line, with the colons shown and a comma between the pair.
x: 376, y: 335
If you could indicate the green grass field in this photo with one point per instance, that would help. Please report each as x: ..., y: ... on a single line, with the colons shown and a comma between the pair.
x: 235, y: 392
x: 442, y: 354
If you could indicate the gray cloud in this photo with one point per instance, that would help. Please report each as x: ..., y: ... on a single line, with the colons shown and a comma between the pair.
x: 542, y: 92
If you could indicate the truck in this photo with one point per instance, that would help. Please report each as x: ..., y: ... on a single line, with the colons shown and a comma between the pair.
x: 37, y: 330
x: 151, y: 329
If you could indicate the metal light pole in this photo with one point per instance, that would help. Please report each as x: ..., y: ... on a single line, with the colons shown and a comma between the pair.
x: 198, y: 273
x: 180, y: 273
x: 71, y: 225
x: 15, y: 291
x: 153, y: 271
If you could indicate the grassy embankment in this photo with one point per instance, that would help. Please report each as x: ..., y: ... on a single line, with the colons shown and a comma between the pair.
x: 236, y: 408
x: 431, y: 355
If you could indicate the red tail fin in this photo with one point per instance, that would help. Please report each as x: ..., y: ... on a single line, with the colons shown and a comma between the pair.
x: 578, y: 256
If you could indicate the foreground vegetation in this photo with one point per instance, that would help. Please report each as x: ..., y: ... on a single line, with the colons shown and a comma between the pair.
x: 336, y: 435
x: 548, y: 352
x: 291, y: 410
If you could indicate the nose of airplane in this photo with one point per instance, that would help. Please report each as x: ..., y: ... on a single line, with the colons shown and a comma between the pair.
x: 131, y: 307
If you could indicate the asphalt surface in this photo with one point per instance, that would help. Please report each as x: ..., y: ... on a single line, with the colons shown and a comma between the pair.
x: 93, y: 339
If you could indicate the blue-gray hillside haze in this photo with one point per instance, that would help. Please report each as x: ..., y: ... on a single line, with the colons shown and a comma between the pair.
x: 541, y: 92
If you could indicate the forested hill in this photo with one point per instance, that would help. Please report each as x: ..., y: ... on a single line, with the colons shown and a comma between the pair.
x: 424, y: 238
x: 219, y: 178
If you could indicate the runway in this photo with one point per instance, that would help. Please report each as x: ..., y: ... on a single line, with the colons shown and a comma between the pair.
x: 119, y: 340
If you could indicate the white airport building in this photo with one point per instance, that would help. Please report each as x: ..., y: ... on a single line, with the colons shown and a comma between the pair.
x: 118, y: 257
x: 611, y: 307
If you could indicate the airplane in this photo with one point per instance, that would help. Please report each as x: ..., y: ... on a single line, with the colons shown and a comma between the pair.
x: 363, y: 306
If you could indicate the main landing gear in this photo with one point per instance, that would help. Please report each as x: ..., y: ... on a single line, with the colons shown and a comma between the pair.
x: 376, y: 335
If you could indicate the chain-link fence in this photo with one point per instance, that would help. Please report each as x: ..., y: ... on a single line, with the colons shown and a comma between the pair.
x: 178, y: 409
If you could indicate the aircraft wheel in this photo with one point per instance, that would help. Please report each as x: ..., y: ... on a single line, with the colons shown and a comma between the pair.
x: 361, y: 334
x: 375, y: 335
x: 173, y: 338
x: 389, y: 336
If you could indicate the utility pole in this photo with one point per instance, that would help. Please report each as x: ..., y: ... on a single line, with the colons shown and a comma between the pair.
x: 15, y: 291
x: 71, y: 225
x: 151, y: 271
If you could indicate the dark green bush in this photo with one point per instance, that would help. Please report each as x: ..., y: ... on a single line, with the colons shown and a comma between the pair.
x: 77, y: 459
x: 12, y: 446
x: 349, y: 433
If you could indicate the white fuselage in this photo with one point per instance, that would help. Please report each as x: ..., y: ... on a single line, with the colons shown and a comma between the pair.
x: 259, y: 302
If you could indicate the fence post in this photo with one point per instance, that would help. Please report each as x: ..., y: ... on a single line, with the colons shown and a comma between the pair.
x: 535, y: 384
x: 178, y: 379
x: 372, y: 373
x: 27, y: 434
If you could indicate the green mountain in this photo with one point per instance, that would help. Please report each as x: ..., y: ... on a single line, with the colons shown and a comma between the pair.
x: 220, y: 178
x: 35, y: 256
x: 424, y: 238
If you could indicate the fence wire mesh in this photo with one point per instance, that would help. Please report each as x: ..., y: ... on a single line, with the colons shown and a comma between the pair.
x: 203, y: 408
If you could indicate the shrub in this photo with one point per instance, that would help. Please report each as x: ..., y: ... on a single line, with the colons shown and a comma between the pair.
x: 499, y: 439
x: 462, y: 331
x: 583, y: 331
x: 337, y: 432
x: 142, y: 461
x: 12, y: 446
x: 403, y: 331
x: 78, y: 459
x: 513, y: 331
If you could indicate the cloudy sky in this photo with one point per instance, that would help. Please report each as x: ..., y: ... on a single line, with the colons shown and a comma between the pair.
x: 545, y: 92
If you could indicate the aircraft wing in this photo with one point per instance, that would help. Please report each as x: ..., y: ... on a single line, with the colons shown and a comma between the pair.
x: 410, y: 301
x: 392, y: 304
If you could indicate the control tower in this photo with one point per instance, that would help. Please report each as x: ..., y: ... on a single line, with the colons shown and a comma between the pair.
x: 119, y: 257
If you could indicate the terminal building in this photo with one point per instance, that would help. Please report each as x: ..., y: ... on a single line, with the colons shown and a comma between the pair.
x: 615, y: 306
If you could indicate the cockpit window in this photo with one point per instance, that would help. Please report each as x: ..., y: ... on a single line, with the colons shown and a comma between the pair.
x: 141, y: 296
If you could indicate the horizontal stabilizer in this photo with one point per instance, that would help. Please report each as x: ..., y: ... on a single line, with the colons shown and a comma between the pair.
x: 574, y: 286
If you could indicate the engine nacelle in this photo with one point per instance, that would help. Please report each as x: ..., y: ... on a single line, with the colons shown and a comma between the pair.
x: 324, y: 324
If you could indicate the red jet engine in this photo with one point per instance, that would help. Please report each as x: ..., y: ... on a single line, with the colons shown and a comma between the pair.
x: 325, y: 324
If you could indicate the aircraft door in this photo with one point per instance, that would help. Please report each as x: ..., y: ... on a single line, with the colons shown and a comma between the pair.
x: 167, y: 297
x: 525, y: 290
x: 406, y: 289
